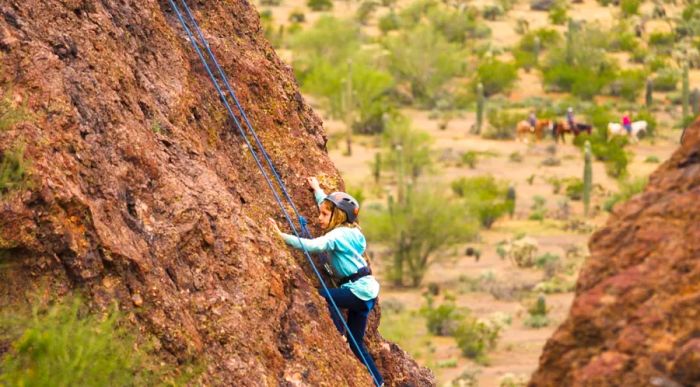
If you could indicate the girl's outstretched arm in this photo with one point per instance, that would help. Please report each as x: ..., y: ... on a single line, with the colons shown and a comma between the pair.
x: 319, y: 195
x: 316, y: 245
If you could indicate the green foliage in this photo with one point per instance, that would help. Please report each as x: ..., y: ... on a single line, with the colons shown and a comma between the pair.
x: 574, y: 188
x: 502, y: 124
x: 554, y: 285
x: 630, y: 7
x: 10, y: 112
x: 485, y: 198
x: 531, y: 45
x: 425, y: 60
x: 13, y: 168
x: 492, y: 12
x: 662, y: 41
x: 475, y: 337
x: 270, y: 2
x: 626, y: 189
x: 537, y: 314
x: 456, y: 25
x: 329, y: 54
x: 645, y: 115
x: 546, y: 259
x: 480, y: 102
x: 63, y: 345
x: 441, y: 320
x: 580, y: 66
x: 496, y: 76
x: 406, y: 148
x: 667, y: 79
x: 469, y: 158
x: 417, y: 230
x: 320, y: 5
x: 538, y: 210
x: 629, y: 84
x: 611, y: 152
x: 557, y: 14
x: 652, y: 159
x: 515, y: 157
x: 389, y: 22
x: 365, y: 10
x: 297, y: 16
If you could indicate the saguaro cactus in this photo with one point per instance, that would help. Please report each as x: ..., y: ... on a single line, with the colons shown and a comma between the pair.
x: 536, y: 50
x: 686, y: 91
x: 695, y: 101
x: 480, y: 101
x: 377, y: 167
x: 587, y: 178
x: 649, y: 93
x: 570, y: 43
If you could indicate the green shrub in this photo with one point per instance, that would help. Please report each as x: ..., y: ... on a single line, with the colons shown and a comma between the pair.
x: 63, y: 345
x: 667, y: 80
x: 537, y: 314
x: 417, y: 230
x: 574, y: 188
x: 557, y: 14
x: 485, y: 197
x: 611, y: 152
x: 554, y: 285
x: 492, y: 12
x: 10, y: 112
x: 424, y: 60
x: 652, y: 160
x: 655, y: 63
x: 645, y: 115
x: 443, y: 319
x: 270, y: 2
x: 496, y: 76
x: 13, y: 169
x: 629, y: 84
x: 538, y: 210
x: 630, y: 7
x: 515, y: 157
x: 297, y: 16
x: 455, y: 25
x: 475, y: 337
x: 546, y: 259
x: 626, y: 189
x: 320, y: 5
x: 502, y: 124
x: 389, y: 22
x: 365, y: 10
x: 469, y: 158
x: 662, y: 40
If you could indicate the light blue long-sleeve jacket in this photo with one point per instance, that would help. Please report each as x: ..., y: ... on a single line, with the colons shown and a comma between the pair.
x: 344, y: 246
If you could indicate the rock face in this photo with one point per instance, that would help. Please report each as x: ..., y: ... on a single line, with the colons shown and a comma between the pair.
x: 635, y: 320
x: 140, y: 192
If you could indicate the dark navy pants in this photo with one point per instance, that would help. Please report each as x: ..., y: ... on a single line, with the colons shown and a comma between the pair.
x: 358, y: 312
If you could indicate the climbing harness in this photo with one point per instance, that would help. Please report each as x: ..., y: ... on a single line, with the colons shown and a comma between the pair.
x: 216, y: 82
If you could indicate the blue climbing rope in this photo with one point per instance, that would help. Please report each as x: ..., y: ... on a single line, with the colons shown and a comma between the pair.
x: 195, y: 44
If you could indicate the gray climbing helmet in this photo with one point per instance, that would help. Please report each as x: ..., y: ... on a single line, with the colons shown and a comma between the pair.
x: 346, y: 203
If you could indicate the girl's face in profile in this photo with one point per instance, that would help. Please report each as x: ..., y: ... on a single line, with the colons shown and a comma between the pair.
x: 324, y: 216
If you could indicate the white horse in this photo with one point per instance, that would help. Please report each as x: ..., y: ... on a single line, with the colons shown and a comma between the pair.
x: 639, y: 130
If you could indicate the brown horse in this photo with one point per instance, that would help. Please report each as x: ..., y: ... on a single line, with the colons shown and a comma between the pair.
x: 559, y: 129
x: 522, y: 129
x: 541, y: 126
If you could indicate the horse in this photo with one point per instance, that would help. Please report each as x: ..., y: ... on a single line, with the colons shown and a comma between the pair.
x: 579, y: 128
x: 541, y: 126
x: 522, y: 129
x: 639, y: 130
x: 559, y: 128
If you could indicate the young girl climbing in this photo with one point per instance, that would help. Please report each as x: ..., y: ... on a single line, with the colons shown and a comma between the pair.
x: 344, y: 243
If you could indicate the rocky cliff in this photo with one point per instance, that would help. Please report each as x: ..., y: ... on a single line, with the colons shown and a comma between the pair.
x: 140, y: 192
x: 635, y: 320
